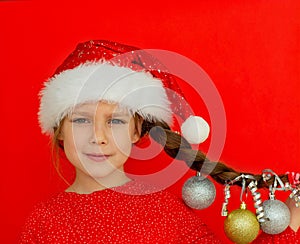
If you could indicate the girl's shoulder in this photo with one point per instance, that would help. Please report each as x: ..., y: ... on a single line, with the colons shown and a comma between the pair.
x: 138, y: 189
x: 42, y: 208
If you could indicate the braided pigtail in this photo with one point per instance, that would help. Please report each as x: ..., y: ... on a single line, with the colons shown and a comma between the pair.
x: 178, y: 147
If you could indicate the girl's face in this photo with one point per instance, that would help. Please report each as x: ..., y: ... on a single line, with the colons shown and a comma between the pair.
x: 97, y: 139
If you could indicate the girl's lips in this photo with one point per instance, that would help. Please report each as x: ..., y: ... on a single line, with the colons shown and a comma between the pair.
x: 97, y: 157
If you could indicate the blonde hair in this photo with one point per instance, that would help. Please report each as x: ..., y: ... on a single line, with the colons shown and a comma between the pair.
x: 56, y: 149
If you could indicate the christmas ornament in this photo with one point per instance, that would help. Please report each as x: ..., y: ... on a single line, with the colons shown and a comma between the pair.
x: 260, y: 215
x: 278, y: 215
x: 294, y: 178
x: 198, y: 192
x: 276, y: 212
x: 227, y: 196
x: 241, y: 225
x: 294, y: 187
x: 295, y: 195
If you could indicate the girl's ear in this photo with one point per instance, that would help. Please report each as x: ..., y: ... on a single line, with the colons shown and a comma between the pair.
x: 60, y: 136
x: 137, y: 130
x: 58, y: 133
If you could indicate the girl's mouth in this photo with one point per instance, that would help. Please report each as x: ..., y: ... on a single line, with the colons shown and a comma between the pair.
x: 97, y: 157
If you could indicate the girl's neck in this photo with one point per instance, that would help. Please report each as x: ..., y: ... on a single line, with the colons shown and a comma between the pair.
x: 87, y: 185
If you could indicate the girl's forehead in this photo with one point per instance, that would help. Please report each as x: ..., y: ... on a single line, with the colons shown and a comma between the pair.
x: 100, y: 107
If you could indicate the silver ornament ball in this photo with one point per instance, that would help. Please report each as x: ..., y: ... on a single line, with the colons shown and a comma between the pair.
x: 279, y: 217
x: 198, y: 192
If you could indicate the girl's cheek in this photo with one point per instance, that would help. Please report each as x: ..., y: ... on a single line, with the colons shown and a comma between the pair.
x: 123, y: 143
x: 83, y: 134
x: 121, y: 132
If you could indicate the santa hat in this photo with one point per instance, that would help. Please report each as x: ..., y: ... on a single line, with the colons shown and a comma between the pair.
x: 109, y: 71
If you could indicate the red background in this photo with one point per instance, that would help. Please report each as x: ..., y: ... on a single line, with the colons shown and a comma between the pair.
x: 250, y: 49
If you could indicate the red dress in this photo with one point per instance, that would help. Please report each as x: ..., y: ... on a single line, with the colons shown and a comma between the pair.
x: 287, y: 237
x: 132, y: 213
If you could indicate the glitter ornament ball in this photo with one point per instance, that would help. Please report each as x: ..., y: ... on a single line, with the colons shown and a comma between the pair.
x: 279, y: 217
x: 198, y: 192
x: 241, y: 225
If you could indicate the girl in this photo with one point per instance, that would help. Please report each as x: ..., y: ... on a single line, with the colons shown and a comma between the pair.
x: 102, y: 100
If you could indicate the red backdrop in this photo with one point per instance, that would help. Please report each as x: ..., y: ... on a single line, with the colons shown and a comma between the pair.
x: 249, y: 49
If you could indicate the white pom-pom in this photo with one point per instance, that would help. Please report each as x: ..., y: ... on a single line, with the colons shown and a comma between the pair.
x: 195, y: 130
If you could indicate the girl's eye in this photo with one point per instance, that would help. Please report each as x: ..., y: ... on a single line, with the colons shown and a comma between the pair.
x: 80, y: 121
x: 116, y: 121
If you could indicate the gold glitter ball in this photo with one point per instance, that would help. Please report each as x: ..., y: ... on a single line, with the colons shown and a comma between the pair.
x: 241, y: 226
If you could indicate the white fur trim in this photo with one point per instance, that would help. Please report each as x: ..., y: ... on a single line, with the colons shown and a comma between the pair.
x: 195, y: 130
x: 138, y: 91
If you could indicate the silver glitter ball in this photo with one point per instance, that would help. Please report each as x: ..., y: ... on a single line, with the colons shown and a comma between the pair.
x: 198, y: 192
x: 279, y: 217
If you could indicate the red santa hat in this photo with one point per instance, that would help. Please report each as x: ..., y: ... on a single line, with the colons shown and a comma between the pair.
x: 113, y: 72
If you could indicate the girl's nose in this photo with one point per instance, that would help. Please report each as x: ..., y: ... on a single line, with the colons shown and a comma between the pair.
x: 99, y: 136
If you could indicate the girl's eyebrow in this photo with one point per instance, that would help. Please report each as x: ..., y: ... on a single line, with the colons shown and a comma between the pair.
x: 82, y: 113
x: 117, y: 114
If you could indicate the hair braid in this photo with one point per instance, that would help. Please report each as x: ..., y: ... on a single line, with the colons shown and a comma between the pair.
x: 178, y: 147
